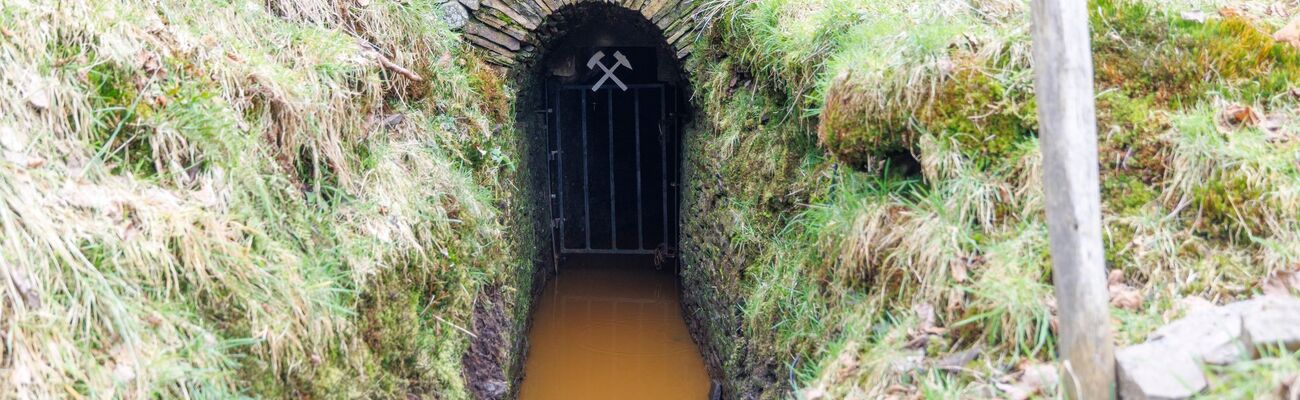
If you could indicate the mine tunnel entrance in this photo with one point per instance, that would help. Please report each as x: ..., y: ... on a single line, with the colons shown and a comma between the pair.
x: 612, y: 151
x: 607, y: 115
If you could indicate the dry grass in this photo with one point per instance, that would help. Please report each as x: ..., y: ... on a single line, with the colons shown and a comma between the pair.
x: 1197, y: 205
x: 196, y: 194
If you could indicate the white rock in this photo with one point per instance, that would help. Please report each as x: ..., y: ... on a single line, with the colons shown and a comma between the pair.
x: 1212, y: 336
x: 454, y: 14
x: 1157, y: 372
x: 1270, y: 321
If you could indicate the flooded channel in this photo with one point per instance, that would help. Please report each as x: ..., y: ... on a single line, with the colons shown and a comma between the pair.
x: 612, y: 330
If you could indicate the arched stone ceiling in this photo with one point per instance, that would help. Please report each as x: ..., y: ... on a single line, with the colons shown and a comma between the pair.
x: 509, y: 30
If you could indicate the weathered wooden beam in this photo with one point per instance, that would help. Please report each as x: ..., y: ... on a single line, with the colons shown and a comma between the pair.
x: 1068, y: 139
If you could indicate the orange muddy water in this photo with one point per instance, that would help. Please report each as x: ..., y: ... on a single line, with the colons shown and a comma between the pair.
x: 612, y: 331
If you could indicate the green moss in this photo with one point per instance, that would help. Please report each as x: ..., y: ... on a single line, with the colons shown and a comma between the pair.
x: 119, y: 109
x: 985, y: 118
x: 1146, y: 52
x: 1223, y: 202
x: 1124, y: 193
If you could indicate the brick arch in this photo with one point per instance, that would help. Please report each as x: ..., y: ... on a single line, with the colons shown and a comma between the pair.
x: 508, y: 31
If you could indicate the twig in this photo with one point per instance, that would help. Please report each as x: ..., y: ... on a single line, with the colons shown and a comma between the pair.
x: 398, y: 68
x: 386, y: 62
x: 471, y: 334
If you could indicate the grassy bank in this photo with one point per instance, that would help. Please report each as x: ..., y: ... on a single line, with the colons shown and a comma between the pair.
x: 245, y: 198
x: 870, y: 189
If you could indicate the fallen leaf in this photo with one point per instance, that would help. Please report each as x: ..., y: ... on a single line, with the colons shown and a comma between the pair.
x: 1289, y: 388
x: 1014, y: 391
x: 1241, y: 116
x: 1122, y: 295
x: 924, y: 314
x: 149, y: 62
x: 956, y: 361
x: 1282, y: 284
x: 1128, y: 299
x: 847, y: 362
x: 1289, y: 34
x: 959, y: 273
x: 38, y: 96
x: 956, y: 301
x: 1040, y: 376
x: 1114, y: 277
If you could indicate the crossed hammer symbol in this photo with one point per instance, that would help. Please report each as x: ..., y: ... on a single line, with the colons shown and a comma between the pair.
x: 598, y: 60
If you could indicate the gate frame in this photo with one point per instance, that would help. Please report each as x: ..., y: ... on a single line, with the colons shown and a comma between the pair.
x: 669, y: 129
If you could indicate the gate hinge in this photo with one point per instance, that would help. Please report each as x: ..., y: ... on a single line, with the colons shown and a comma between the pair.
x: 551, y: 156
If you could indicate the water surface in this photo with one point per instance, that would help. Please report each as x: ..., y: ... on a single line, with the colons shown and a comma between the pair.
x: 612, y: 330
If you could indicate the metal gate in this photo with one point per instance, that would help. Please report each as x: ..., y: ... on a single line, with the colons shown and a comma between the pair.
x: 613, y: 160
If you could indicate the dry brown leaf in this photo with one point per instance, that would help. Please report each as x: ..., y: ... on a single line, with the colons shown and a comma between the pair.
x: 1039, y: 376
x: 38, y: 95
x: 1014, y: 391
x: 924, y: 314
x: 1127, y: 298
x: 959, y: 273
x: 1114, y: 277
x: 1289, y: 388
x: 1240, y: 116
x: 1282, y: 284
x: 149, y: 62
x: 1289, y: 34
x: 1122, y: 295
x: 846, y: 365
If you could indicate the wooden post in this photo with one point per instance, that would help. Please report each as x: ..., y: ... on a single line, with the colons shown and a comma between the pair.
x: 1068, y: 140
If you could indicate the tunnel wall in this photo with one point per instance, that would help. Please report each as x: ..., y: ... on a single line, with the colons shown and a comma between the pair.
x: 511, y: 31
x: 529, y: 41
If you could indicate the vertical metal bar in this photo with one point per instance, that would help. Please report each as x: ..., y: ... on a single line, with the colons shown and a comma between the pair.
x: 663, y: 163
x: 636, y: 104
x: 549, y: 108
x: 586, y: 173
x: 613, y: 217
x: 677, y: 178
x: 559, y: 159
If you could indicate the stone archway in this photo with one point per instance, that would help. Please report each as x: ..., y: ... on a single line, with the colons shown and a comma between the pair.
x: 509, y: 30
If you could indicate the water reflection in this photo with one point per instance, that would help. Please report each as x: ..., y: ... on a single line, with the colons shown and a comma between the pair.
x: 612, y: 330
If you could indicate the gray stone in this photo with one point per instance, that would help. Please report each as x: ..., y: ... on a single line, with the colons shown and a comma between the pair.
x: 1212, y: 336
x: 487, y: 32
x: 1156, y: 371
x: 473, y: 5
x: 1270, y: 321
x: 518, y: 15
x: 494, y: 389
x: 454, y: 14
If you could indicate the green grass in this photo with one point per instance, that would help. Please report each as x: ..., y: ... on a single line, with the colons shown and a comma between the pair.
x: 215, y: 217
x: 918, y: 180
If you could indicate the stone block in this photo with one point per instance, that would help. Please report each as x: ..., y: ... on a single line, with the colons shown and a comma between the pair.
x: 1154, y: 371
x: 1270, y: 321
x: 454, y: 14
x: 1212, y: 336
